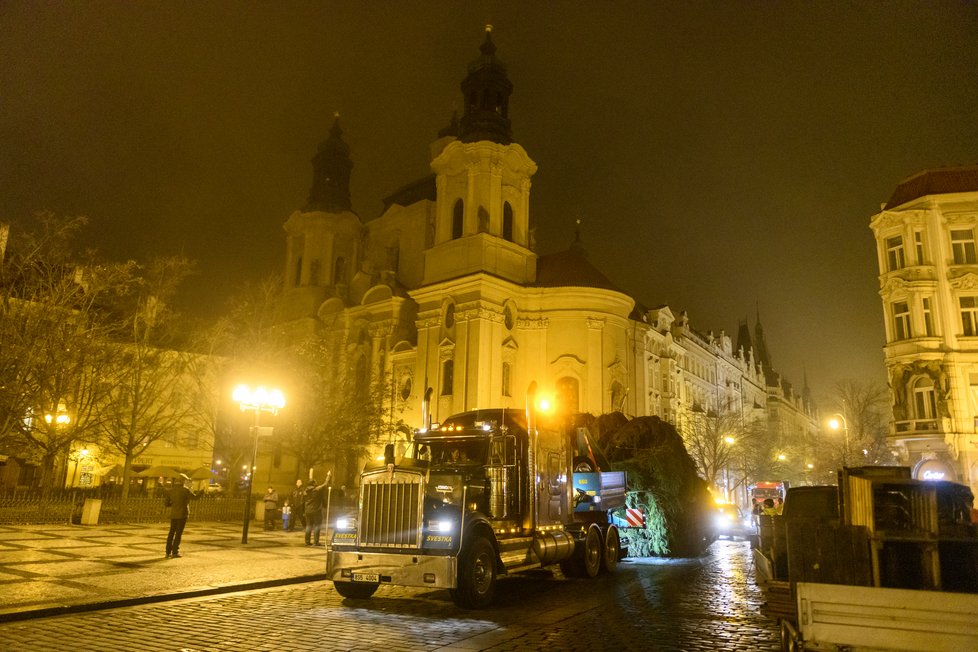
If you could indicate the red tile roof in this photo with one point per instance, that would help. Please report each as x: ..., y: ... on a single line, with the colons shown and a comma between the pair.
x: 936, y: 181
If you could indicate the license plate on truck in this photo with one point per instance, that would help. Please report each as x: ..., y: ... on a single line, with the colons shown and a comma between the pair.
x: 372, y: 578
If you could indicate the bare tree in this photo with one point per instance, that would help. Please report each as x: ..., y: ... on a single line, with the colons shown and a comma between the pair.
x: 53, y: 328
x: 150, y: 390
x: 861, y: 410
x: 728, y: 449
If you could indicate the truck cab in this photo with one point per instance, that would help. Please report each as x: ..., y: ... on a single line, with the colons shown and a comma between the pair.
x: 481, y: 494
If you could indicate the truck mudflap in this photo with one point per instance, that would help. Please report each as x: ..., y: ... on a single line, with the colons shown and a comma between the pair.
x: 831, y: 616
x: 435, y: 571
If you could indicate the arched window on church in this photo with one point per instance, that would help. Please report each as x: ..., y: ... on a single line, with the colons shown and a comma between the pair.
x: 483, y: 220
x: 568, y: 395
x: 924, y: 399
x: 507, y: 222
x: 297, y: 280
x: 339, y: 271
x: 507, y: 379
x: 457, y: 213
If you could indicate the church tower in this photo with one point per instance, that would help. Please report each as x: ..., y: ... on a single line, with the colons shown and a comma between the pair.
x: 483, y: 185
x: 323, y: 238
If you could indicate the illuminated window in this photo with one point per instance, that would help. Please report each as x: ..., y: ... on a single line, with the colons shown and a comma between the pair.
x: 895, y: 258
x: 925, y: 405
x: 457, y: 219
x: 901, y: 320
x: 963, y: 246
x: 969, y: 315
x: 928, y: 318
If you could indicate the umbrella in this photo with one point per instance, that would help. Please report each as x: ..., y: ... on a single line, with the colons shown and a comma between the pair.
x: 114, y: 470
x: 203, y: 473
x: 160, y: 471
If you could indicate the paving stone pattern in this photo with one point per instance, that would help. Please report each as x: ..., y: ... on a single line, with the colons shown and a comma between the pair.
x: 703, y: 604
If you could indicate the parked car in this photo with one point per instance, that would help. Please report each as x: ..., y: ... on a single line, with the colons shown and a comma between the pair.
x: 729, y: 521
x: 214, y: 489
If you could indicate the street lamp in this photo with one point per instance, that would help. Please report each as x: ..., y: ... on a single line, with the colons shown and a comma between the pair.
x: 835, y: 423
x: 258, y: 400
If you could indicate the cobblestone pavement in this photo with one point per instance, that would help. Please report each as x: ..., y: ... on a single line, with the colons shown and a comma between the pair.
x: 709, y: 603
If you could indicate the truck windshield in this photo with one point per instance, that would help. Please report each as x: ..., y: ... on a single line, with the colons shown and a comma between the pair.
x: 454, y: 452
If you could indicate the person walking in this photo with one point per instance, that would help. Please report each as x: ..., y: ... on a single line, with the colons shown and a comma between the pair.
x: 315, y: 502
x: 297, y: 499
x: 271, y: 507
x: 178, y: 500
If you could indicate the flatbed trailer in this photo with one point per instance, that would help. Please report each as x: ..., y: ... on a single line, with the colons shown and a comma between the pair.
x: 855, y: 618
x: 884, y: 564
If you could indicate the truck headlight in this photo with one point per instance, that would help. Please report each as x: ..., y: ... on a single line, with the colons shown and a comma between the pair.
x: 346, y: 523
x: 440, y: 526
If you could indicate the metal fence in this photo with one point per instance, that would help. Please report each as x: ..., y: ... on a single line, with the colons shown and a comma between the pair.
x: 33, y: 509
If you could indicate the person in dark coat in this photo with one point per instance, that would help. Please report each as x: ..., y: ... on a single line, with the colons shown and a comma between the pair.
x: 271, y: 508
x: 314, y: 505
x: 178, y: 500
x: 297, y: 499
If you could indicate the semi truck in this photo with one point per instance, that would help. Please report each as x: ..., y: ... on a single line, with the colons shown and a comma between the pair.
x: 482, y: 494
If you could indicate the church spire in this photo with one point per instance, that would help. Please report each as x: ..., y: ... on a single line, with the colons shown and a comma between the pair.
x: 331, y: 167
x: 486, y: 91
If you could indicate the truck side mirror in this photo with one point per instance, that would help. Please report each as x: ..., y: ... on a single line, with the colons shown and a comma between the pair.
x: 389, y: 454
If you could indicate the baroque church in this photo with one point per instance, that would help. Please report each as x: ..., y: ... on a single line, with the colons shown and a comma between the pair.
x: 445, y: 290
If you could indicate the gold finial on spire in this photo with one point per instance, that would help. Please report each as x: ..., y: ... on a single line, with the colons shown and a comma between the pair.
x: 336, y: 114
x: 488, y: 27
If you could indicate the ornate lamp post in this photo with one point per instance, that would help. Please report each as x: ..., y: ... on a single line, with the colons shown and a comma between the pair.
x: 838, y: 421
x: 258, y: 400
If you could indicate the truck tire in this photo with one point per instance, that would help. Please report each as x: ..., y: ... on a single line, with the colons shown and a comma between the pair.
x: 476, y: 575
x: 609, y: 560
x: 583, y: 465
x: 593, y: 550
x: 356, y: 591
x: 586, y: 561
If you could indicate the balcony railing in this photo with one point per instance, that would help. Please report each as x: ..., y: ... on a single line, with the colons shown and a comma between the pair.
x: 928, y: 426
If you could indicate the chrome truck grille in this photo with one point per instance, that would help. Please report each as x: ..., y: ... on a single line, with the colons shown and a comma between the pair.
x: 390, y: 510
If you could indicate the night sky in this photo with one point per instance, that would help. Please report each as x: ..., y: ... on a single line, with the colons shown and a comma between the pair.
x: 724, y: 158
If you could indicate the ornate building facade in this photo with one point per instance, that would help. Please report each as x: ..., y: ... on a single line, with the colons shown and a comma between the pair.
x: 926, y: 249
x: 445, y: 290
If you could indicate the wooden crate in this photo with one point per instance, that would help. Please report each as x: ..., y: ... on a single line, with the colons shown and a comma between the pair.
x: 824, y: 551
x: 904, y: 508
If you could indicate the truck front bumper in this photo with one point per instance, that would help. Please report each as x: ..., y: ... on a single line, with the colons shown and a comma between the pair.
x: 402, y: 569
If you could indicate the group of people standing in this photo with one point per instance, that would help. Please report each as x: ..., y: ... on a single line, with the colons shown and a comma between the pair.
x: 305, y: 504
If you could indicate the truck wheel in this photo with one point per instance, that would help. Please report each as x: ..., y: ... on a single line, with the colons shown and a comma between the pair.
x: 476, y: 575
x: 583, y: 465
x: 357, y: 591
x: 592, y: 551
x: 609, y: 560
